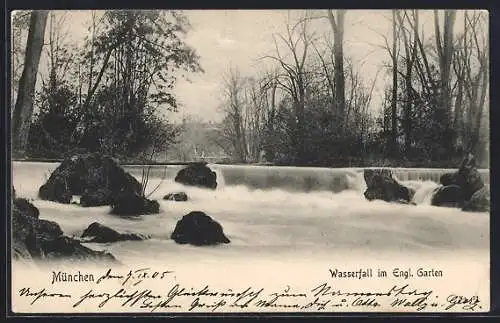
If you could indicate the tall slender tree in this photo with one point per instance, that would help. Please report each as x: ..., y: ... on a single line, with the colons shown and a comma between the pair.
x: 337, y: 24
x: 23, y: 109
x: 444, y: 47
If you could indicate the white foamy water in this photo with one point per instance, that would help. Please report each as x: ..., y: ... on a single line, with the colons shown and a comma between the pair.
x: 270, y: 212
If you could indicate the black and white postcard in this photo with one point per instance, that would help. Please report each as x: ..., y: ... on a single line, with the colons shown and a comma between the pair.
x: 237, y: 161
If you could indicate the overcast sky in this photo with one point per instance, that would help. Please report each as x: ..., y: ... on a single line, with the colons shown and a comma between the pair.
x: 238, y: 38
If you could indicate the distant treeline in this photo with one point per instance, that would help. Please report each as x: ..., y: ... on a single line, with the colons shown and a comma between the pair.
x: 315, y: 109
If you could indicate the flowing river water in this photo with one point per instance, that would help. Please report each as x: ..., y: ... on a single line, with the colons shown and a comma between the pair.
x: 267, y: 211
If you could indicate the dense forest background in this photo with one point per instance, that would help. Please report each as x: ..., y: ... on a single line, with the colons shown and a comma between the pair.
x: 314, y: 106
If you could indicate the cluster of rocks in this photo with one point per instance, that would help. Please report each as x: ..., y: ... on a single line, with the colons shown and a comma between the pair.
x: 463, y: 189
x: 37, y: 239
x: 98, y: 180
x: 195, y: 228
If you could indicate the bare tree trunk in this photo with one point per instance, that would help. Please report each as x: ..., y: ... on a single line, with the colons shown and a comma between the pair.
x: 445, y: 53
x: 293, y: 80
x: 459, y: 66
x: 23, y: 109
x: 410, y: 58
x: 337, y: 24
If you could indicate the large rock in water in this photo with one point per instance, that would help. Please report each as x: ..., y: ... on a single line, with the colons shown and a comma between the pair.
x: 37, y: 239
x: 97, y: 179
x: 449, y: 196
x: 99, y: 233
x: 475, y: 195
x: 382, y: 186
x: 198, y: 229
x: 199, y: 175
x: 134, y: 205
x: 467, y: 177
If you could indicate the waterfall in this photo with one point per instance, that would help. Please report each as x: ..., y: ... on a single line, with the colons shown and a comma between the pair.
x: 306, y: 179
x: 291, y: 179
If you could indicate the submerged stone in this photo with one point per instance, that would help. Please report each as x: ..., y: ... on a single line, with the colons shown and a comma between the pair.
x: 99, y: 233
x: 66, y: 248
x: 178, y: 196
x: 198, y: 229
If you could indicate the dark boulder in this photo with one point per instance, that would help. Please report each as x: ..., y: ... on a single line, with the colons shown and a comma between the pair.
x: 178, y: 196
x: 480, y: 201
x: 382, y: 186
x: 37, y: 239
x: 198, y: 175
x: 474, y: 195
x: 134, y: 205
x: 449, y: 196
x: 84, y: 175
x: 99, y: 233
x: 467, y: 177
x: 198, y: 229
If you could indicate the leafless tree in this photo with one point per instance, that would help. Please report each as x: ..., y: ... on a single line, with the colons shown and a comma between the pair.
x: 233, y: 128
x: 444, y: 48
x: 337, y: 24
x: 292, y: 77
x: 471, y: 64
x: 410, y: 42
